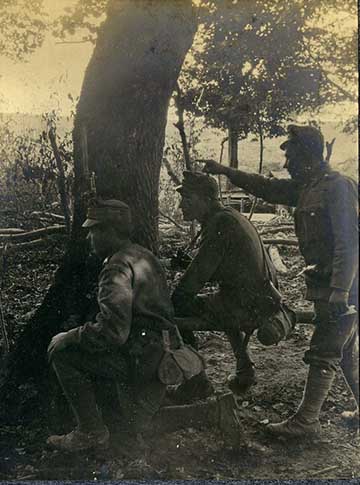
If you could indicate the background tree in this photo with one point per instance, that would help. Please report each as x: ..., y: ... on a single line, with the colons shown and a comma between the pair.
x: 23, y: 25
x: 260, y: 63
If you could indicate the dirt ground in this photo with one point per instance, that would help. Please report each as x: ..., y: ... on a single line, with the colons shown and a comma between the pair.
x: 191, y: 453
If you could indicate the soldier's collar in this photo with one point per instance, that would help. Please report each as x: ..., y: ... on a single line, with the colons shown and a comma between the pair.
x: 214, y: 210
x: 124, y: 243
x: 325, y: 172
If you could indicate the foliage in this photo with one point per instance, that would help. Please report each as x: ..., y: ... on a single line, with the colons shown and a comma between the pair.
x: 23, y: 25
x: 335, y: 49
x: 28, y: 174
x: 84, y: 16
x: 260, y: 62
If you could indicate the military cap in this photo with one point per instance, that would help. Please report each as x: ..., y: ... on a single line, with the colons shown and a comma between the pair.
x: 108, y: 211
x: 199, y: 183
x: 308, y: 137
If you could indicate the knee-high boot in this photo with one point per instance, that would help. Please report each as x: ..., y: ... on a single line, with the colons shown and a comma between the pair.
x: 244, y: 377
x: 305, y: 422
x: 350, y: 367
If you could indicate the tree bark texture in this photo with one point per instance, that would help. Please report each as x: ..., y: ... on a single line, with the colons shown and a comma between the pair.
x: 233, y: 143
x: 124, y: 101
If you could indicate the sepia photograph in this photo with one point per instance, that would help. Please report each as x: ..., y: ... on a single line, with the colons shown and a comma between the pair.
x: 179, y: 240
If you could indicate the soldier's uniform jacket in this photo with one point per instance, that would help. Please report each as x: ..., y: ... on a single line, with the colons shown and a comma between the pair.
x: 326, y: 224
x: 231, y: 255
x: 133, y: 299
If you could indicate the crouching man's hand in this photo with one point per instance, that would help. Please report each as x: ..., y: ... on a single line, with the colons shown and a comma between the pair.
x: 338, y: 302
x: 60, y: 342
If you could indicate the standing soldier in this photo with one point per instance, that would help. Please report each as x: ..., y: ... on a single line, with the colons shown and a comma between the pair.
x: 231, y: 254
x: 326, y: 224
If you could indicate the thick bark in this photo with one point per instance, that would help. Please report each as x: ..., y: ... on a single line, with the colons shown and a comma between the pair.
x: 233, y: 142
x: 31, y: 235
x: 261, y: 161
x: 124, y: 102
x: 123, y: 108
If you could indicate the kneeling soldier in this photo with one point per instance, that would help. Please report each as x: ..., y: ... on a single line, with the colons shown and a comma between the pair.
x: 231, y: 254
x: 123, y: 347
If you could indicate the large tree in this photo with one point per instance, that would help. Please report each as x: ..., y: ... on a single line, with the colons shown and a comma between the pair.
x: 123, y: 107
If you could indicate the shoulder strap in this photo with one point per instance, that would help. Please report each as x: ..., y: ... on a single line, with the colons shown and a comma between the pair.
x: 270, y: 272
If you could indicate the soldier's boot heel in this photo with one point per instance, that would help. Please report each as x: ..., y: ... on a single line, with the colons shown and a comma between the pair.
x: 198, y: 387
x: 305, y: 423
x: 242, y: 381
x: 295, y: 427
x: 79, y: 441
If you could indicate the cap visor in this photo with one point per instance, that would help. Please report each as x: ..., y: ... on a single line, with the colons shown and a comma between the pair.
x: 90, y: 223
x: 284, y: 145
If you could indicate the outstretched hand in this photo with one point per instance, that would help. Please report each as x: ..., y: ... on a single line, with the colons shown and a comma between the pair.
x: 212, y: 167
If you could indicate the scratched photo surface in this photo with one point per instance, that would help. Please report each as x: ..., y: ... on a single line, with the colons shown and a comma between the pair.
x: 144, y: 118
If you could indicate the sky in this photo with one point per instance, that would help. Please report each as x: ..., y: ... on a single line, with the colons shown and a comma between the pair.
x: 30, y: 87
x: 55, y: 70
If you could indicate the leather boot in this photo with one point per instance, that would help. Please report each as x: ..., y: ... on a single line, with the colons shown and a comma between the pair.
x: 199, y: 387
x: 244, y: 378
x: 241, y: 382
x: 78, y: 440
x: 350, y: 368
x: 305, y: 423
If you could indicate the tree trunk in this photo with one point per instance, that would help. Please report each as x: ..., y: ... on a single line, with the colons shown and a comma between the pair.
x: 124, y: 102
x: 123, y: 107
x: 233, y: 141
x: 261, y: 162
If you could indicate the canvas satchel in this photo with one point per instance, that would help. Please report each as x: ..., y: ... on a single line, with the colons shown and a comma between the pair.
x: 178, y: 365
x: 280, y: 323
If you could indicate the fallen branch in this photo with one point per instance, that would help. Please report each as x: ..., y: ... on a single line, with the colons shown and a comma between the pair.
x: 284, y: 242
x: 323, y: 470
x: 272, y: 223
x: 10, y: 230
x: 8, y: 211
x: 13, y: 248
x: 272, y: 230
x: 29, y: 236
x: 48, y: 215
x: 277, y: 261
